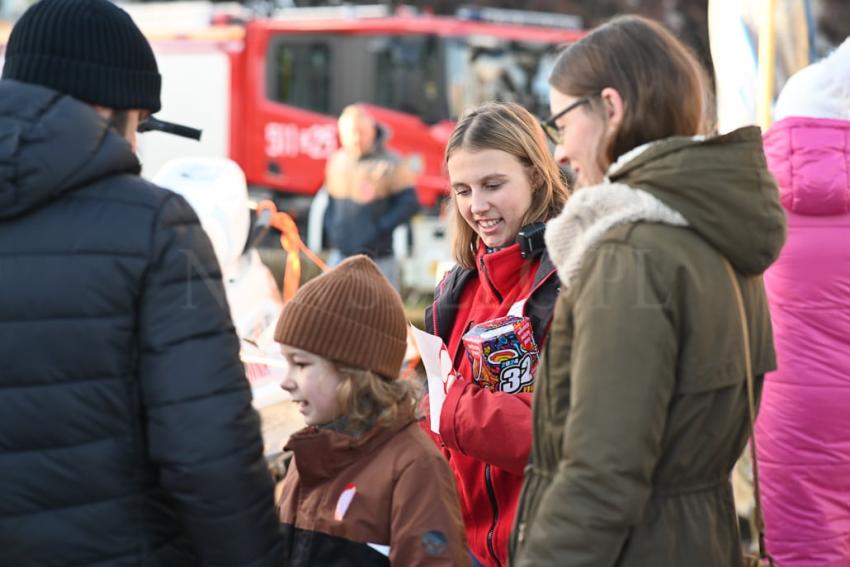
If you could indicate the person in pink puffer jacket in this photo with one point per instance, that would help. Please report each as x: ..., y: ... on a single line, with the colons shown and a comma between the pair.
x: 803, y: 428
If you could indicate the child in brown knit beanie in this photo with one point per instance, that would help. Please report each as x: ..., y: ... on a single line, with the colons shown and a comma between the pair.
x: 365, y: 486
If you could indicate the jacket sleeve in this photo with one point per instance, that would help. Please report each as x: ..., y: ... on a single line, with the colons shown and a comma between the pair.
x: 402, y: 206
x: 623, y: 370
x: 493, y: 427
x: 427, y: 527
x: 202, y: 433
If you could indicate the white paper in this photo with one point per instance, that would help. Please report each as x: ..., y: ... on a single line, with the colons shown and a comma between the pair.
x: 438, y: 369
x: 382, y: 549
x: 518, y: 308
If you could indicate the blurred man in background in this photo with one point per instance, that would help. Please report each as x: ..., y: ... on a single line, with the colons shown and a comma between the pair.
x: 371, y: 193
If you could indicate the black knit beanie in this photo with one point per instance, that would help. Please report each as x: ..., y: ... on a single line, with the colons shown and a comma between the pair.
x: 89, y: 49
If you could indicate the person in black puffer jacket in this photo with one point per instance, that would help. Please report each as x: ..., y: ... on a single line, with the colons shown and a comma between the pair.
x: 127, y: 435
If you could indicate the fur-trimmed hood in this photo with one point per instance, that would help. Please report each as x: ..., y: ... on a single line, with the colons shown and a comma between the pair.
x: 821, y: 90
x: 720, y: 187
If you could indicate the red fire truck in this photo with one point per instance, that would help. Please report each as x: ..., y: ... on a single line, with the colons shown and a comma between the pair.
x: 267, y: 93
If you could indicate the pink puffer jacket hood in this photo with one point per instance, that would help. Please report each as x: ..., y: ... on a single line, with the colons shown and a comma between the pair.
x: 810, y: 158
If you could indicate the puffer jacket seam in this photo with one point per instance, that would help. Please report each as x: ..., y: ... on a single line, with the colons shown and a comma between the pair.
x: 72, y: 506
x: 63, y: 447
x: 66, y: 254
x: 212, y: 394
x: 179, y: 223
x: 68, y: 318
x: 66, y: 382
x: 217, y: 459
x: 184, y: 339
x: 213, y: 273
x: 102, y: 560
x: 102, y: 197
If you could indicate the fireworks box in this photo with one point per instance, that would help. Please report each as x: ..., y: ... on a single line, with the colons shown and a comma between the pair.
x: 503, y: 354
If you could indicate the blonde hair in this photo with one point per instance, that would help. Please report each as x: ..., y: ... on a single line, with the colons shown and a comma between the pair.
x: 366, y: 399
x: 512, y: 129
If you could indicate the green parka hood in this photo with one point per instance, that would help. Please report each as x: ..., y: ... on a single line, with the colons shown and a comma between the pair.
x: 721, y: 186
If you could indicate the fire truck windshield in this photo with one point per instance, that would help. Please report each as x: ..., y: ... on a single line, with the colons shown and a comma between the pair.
x: 427, y: 75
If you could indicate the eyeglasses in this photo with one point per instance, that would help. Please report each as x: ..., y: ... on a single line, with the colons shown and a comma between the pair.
x: 551, y: 129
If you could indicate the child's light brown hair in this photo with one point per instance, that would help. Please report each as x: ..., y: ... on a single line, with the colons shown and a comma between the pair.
x: 367, y: 400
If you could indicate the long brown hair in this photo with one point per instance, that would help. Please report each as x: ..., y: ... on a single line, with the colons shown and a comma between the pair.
x: 512, y: 129
x: 664, y: 89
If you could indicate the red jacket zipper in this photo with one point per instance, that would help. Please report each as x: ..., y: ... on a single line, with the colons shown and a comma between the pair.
x: 489, y: 281
x: 491, y: 492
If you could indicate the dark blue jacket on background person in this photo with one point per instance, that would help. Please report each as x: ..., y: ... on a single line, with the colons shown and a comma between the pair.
x: 127, y: 435
x: 370, y: 195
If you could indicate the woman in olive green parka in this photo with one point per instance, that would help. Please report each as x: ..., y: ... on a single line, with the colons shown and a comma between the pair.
x: 641, y: 407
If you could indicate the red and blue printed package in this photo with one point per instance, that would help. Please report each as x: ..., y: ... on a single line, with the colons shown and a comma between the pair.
x: 503, y: 354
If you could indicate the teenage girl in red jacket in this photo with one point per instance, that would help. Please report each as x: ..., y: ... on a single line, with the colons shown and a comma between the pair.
x: 503, y: 180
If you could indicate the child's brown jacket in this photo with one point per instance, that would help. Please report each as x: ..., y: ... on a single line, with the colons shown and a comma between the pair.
x: 389, y: 488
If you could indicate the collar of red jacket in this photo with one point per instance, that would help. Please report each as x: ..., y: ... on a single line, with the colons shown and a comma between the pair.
x: 503, y: 269
x: 321, y: 453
